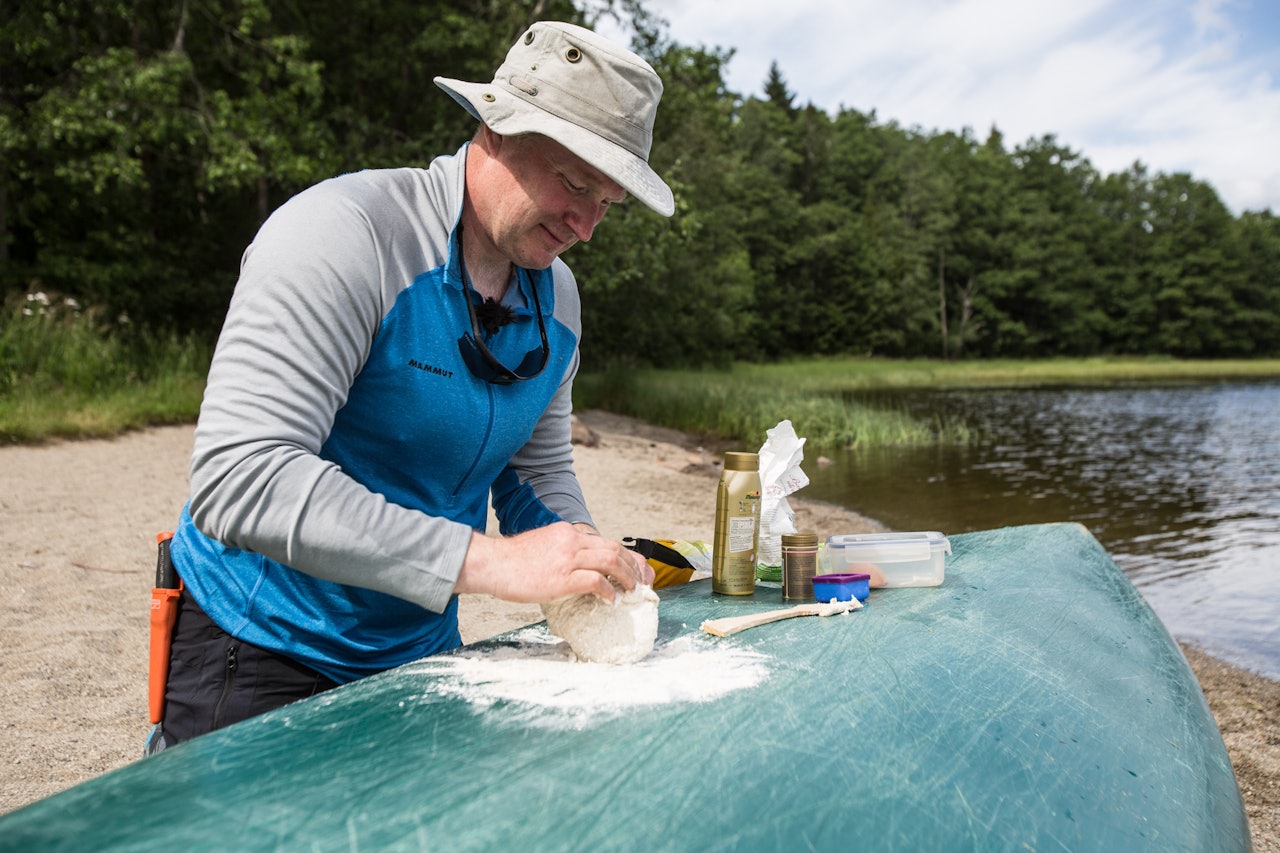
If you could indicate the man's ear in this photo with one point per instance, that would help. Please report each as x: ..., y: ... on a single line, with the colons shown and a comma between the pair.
x: 488, y: 138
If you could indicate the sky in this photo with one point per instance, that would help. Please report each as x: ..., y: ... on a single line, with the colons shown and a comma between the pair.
x: 1179, y: 85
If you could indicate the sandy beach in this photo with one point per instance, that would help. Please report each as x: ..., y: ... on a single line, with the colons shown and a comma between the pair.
x: 77, y: 557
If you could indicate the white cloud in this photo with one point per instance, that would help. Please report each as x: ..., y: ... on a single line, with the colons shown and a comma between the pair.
x: 1162, y: 82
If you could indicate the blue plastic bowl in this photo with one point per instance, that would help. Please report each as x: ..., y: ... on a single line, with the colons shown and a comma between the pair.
x: 844, y: 587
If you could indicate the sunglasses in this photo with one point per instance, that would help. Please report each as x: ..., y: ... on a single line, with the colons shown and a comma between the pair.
x: 482, y: 363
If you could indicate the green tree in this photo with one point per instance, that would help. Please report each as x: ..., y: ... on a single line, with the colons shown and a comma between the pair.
x: 379, y: 57
x: 777, y: 93
x: 1257, y: 296
x: 1055, y: 231
x: 906, y: 196
x: 976, y: 264
x: 675, y: 291
x: 767, y: 216
x: 148, y: 133
x: 1194, y: 269
x: 1124, y: 201
x: 142, y: 143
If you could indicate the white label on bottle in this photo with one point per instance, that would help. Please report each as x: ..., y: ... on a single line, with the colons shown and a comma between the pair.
x: 742, y: 534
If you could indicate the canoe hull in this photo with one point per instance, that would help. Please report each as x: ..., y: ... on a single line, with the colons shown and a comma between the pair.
x: 1033, y: 701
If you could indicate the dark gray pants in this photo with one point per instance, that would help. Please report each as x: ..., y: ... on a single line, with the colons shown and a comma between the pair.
x: 216, y: 680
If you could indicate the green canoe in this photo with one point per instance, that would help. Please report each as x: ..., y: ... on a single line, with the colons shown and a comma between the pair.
x: 1031, y: 702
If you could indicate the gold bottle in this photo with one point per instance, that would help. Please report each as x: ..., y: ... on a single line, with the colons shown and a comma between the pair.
x: 733, y: 558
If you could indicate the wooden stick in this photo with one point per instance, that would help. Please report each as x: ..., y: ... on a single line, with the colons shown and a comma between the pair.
x: 733, y: 624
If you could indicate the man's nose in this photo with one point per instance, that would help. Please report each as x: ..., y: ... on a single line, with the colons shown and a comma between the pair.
x: 583, y: 218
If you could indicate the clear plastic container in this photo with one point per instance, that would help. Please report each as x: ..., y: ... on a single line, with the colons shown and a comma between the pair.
x: 892, y: 559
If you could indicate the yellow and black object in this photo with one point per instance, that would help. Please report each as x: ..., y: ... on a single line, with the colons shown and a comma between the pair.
x: 670, y: 567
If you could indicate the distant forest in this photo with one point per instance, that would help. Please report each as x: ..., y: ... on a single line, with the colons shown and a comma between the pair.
x: 142, y: 143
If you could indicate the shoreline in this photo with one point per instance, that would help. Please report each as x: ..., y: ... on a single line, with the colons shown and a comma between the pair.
x: 78, y: 556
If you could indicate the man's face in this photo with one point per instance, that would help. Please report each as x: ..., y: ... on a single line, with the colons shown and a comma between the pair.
x: 544, y: 199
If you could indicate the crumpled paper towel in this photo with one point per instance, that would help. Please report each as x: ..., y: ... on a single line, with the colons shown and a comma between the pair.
x: 780, y: 475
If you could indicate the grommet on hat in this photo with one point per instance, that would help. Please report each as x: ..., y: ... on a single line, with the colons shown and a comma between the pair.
x: 592, y: 96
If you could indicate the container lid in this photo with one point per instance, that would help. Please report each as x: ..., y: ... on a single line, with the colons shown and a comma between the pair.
x: 738, y: 461
x: 799, y: 540
x: 892, y: 547
x: 853, y: 577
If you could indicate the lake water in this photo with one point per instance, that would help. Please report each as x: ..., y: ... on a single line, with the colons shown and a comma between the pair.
x: 1181, y: 484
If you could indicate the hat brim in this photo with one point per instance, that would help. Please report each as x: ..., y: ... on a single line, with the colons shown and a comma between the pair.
x: 509, y: 115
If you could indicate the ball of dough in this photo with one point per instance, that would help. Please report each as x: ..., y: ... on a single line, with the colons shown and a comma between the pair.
x: 621, y: 631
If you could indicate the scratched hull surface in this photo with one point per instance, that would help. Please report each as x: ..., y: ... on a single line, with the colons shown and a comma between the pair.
x: 1033, y: 701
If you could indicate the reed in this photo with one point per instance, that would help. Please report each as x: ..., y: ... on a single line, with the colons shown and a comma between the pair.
x: 738, y: 405
x: 821, y: 396
x: 861, y: 374
x: 67, y: 373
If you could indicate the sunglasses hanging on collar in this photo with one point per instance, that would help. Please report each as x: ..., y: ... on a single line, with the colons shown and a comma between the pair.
x: 482, y: 363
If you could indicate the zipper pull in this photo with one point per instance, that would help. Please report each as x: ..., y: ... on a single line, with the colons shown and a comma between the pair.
x: 232, y: 663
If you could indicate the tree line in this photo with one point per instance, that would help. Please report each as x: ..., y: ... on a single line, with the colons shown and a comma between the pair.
x: 144, y: 142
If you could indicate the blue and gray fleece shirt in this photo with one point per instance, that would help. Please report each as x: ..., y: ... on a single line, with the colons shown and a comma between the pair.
x: 344, y: 452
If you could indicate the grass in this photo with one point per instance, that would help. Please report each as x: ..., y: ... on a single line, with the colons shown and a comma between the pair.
x: 738, y: 406
x: 862, y: 374
x: 819, y: 396
x: 64, y: 373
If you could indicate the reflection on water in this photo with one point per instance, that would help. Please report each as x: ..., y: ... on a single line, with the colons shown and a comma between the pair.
x: 1181, y: 484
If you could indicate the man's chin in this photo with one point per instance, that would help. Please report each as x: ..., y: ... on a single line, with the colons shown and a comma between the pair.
x: 541, y: 260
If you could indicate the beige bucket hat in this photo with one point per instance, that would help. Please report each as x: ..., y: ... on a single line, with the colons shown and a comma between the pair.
x: 585, y: 92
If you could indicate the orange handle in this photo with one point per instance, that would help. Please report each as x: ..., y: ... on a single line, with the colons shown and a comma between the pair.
x: 164, y: 611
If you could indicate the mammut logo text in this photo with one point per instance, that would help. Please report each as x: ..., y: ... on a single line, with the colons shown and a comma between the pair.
x: 427, y: 368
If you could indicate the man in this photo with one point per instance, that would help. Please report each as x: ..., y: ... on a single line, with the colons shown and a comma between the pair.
x: 400, y: 347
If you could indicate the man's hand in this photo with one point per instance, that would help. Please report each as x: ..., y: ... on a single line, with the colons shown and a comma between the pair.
x: 549, y: 563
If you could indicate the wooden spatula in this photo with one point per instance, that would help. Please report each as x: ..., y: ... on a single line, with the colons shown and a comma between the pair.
x: 733, y: 624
